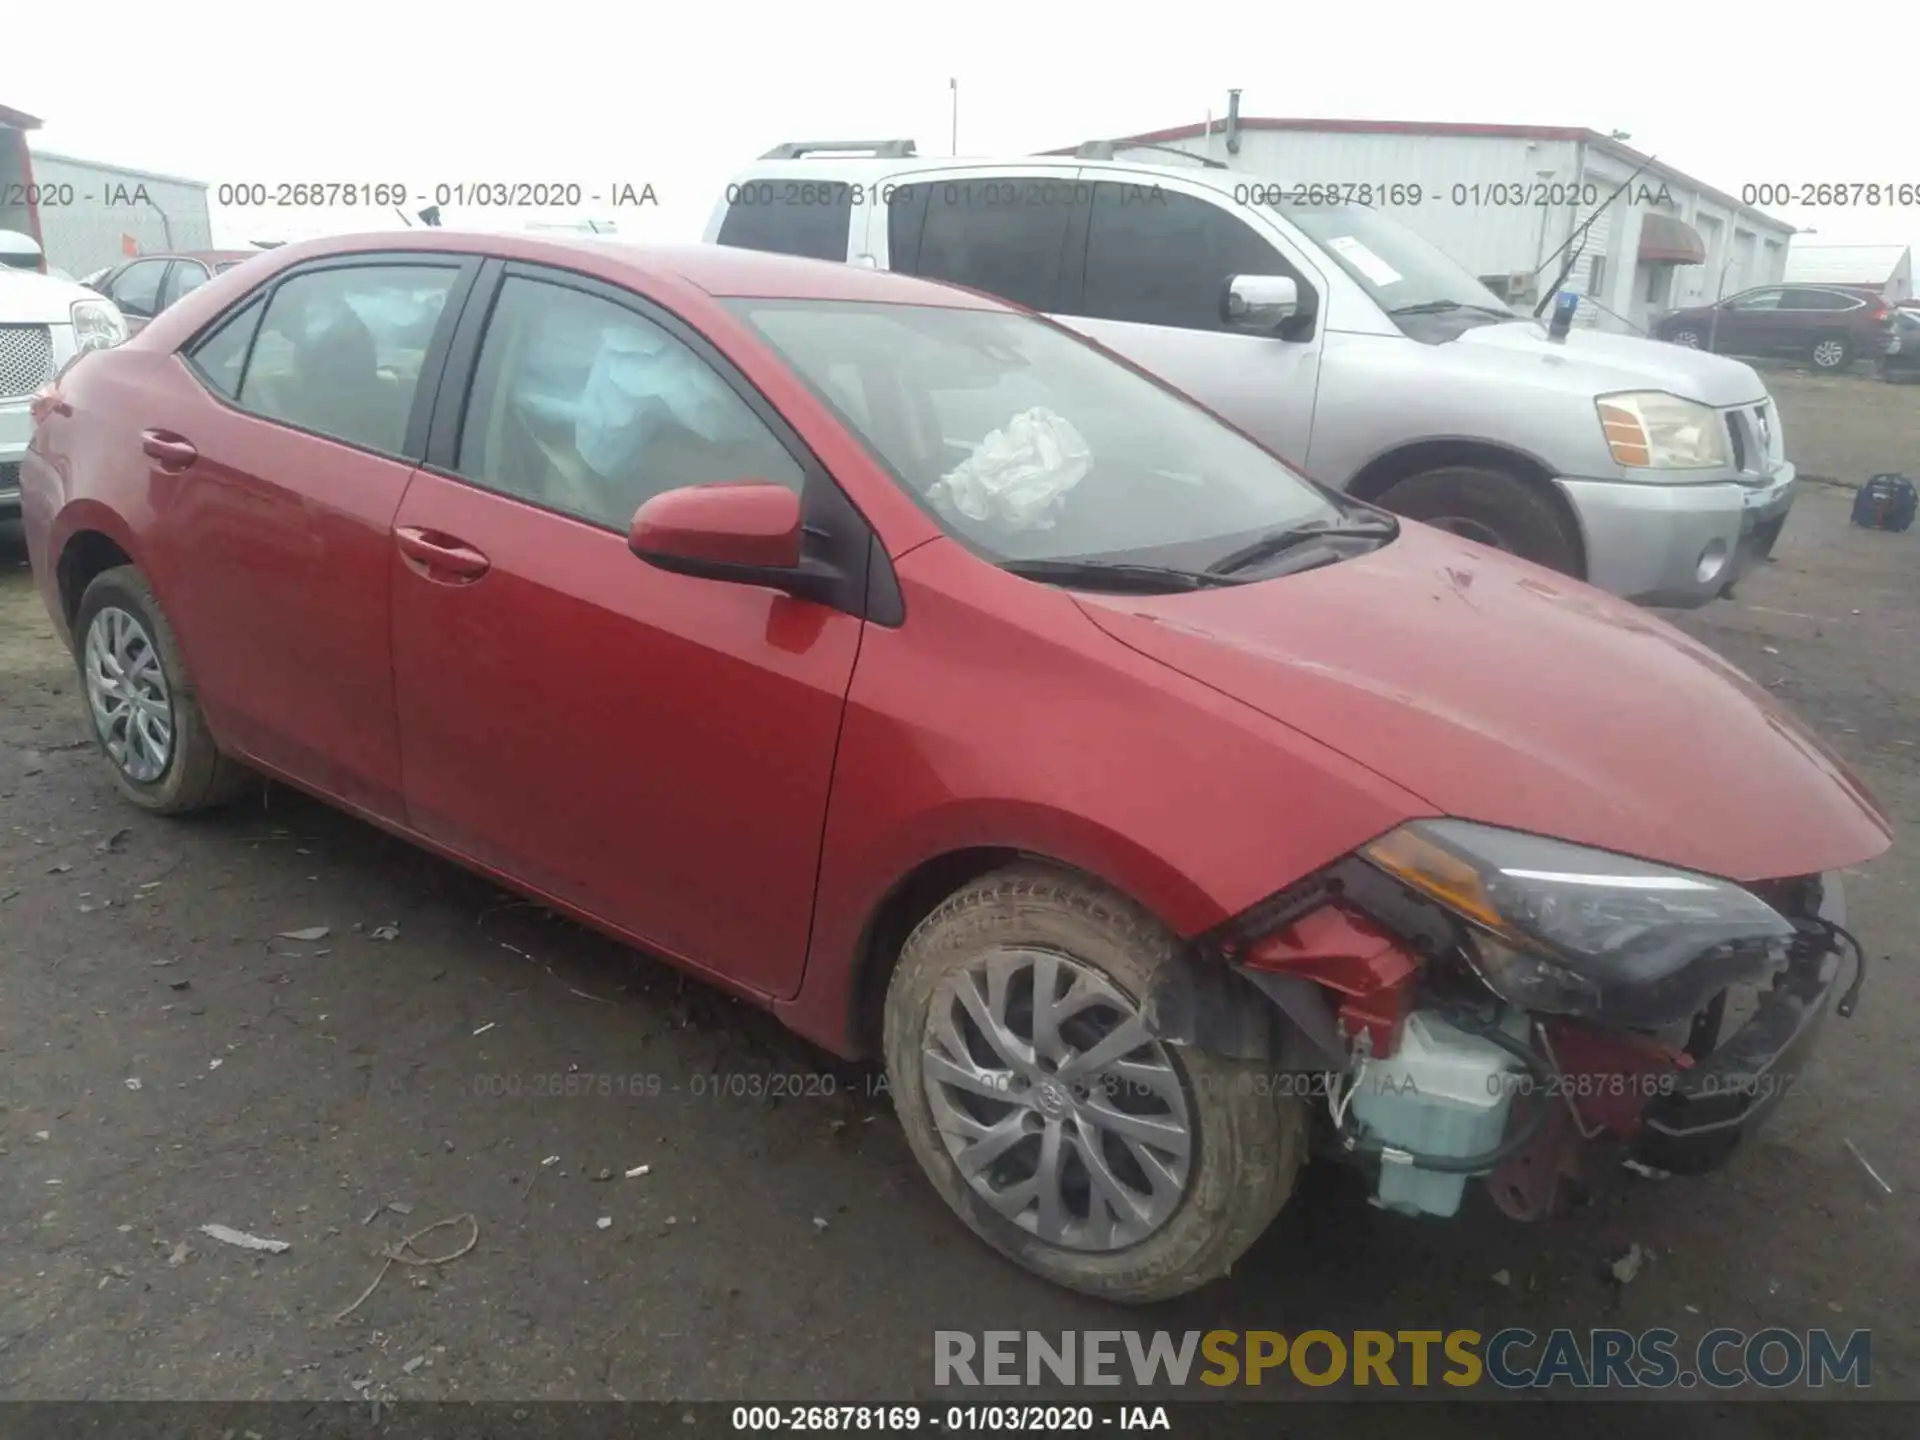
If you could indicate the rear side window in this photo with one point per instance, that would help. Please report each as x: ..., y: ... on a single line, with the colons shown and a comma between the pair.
x: 340, y: 351
x: 789, y: 217
x: 136, y: 289
x: 1819, y: 300
x: 188, y: 276
x: 1001, y: 235
x: 221, y: 358
x: 1156, y: 257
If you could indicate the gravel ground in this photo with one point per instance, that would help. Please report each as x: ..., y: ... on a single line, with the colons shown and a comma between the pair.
x: 781, y: 1249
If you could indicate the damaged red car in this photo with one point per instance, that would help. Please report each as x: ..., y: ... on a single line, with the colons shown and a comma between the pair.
x: 913, y: 668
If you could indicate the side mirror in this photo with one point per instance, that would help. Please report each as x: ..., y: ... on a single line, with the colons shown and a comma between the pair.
x: 1259, y: 302
x: 746, y: 531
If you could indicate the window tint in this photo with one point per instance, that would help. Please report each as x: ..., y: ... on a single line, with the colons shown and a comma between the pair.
x: 1000, y: 235
x: 136, y: 289
x: 1157, y: 258
x: 1758, y: 300
x: 187, y: 276
x: 1818, y: 300
x: 222, y: 355
x: 790, y: 217
x: 583, y: 406
x: 340, y: 351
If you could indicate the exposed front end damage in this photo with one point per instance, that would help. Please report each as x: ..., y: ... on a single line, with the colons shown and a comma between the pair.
x: 1467, y: 1004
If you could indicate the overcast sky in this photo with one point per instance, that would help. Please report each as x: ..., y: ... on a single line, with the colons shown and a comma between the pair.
x: 681, y: 96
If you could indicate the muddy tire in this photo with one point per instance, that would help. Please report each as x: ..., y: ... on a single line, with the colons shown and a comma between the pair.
x: 1132, y: 1189
x: 141, y: 704
x: 1492, y: 507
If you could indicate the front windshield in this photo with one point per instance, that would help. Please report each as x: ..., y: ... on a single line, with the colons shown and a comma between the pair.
x: 1407, y: 276
x: 1028, y: 444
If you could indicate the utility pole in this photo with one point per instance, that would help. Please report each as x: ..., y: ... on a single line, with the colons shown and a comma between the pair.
x: 953, y: 84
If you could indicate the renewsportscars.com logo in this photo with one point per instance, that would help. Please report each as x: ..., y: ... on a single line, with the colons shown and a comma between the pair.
x: 1512, y: 1359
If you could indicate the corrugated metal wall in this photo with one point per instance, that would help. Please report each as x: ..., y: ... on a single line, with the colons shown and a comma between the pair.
x: 110, y: 203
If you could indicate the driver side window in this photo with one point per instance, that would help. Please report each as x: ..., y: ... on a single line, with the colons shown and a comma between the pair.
x: 1758, y: 300
x: 1156, y: 257
x: 586, y: 407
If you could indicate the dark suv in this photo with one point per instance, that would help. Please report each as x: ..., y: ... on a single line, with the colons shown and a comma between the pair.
x: 1830, y: 325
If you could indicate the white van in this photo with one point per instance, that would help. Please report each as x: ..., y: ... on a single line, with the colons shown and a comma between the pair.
x: 1335, y: 336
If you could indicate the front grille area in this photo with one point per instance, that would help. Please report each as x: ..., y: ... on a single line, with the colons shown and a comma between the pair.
x: 1737, y: 433
x: 26, y: 358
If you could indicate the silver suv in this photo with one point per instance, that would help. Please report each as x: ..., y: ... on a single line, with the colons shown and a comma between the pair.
x: 1338, y: 338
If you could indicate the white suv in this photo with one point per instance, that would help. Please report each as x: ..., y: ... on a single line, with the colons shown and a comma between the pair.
x: 1334, y: 335
x: 44, y: 323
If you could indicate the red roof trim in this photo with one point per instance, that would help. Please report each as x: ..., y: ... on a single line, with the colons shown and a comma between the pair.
x: 1577, y: 133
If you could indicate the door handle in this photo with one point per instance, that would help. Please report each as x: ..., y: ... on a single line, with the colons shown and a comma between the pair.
x: 169, y: 449
x: 441, y: 557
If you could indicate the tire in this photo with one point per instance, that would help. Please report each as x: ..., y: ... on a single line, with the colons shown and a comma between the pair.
x: 1492, y: 507
x: 193, y: 774
x: 1245, y: 1143
x: 1688, y: 337
x: 1831, y: 353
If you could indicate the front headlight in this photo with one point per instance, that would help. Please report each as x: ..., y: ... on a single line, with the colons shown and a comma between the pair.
x: 1562, y: 928
x: 97, y: 325
x: 1652, y: 430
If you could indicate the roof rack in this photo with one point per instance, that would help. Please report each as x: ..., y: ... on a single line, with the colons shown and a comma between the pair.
x: 880, y: 149
x: 1105, y: 150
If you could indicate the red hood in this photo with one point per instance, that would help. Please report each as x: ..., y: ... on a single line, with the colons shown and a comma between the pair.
x: 1501, y: 692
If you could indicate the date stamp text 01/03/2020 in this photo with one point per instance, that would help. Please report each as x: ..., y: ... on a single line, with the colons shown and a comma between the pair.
x: 474, y: 194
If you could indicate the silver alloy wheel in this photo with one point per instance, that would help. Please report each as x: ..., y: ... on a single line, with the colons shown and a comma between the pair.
x: 1829, y: 353
x: 127, y: 688
x: 1059, y: 1107
x: 1688, y: 338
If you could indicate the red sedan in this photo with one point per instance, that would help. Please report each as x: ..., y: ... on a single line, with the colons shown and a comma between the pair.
x: 892, y: 658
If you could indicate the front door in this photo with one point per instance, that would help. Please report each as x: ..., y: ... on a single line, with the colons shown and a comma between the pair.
x: 650, y: 748
x: 1749, y: 324
x: 279, y: 452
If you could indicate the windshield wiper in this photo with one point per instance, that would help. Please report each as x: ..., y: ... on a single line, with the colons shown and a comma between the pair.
x: 1447, y: 307
x: 1278, y: 542
x: 1115, y: 575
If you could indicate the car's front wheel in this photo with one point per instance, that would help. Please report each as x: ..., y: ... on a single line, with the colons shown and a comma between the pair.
x: 1047, y: 1113
x: 1686, y: 335
x: 141, y: 701
x: 1491, y: 507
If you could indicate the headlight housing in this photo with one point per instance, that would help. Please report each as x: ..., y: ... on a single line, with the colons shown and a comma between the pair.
x: 97, y: 325
x: 1652, y: 430
x: 1560, y: 928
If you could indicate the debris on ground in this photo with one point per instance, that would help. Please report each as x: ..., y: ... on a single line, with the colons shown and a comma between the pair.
x: 603, y: 1174
x: 60, y: 869
x: 226, y: 1235
x: 312, y: 932
x: 400, y: 1207
x: 133, y: 1084
x: 1624, y: 1267
x: 414, y: 1364
x: 484, y: 1028
x: 397, y: 1255
x: 1641, y: 1168
x: 1502, y: 1277
x: 605, y: 1222
x: 1854, y: 1150
x: 180, y: 1254
x: 43, y: 1135
x: 389, y: 931
x: 638, y: 1171
x: 112, y: 843
x: 550, y: 1160
x: 215, y: 1064
x: 819, y: 1224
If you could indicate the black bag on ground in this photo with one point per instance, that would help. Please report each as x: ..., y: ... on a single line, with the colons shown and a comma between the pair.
x: 1886, y: 502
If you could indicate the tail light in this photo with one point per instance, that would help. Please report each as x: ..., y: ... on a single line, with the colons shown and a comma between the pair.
x: 1881, y: 314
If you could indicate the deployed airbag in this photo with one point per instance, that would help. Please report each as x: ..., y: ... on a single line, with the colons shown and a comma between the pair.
x: 1018, y: 477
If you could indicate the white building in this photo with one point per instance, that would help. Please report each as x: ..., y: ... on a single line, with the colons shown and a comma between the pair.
x: 1502, y: 199
x: 1886, y: 268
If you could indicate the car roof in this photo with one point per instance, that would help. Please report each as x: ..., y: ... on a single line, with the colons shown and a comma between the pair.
x: 722, y: 271
x: 869, y: 167
x: 210, y: 257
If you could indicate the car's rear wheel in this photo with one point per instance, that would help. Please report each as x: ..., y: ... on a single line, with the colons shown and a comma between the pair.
x: 1831, y: 352
x: 141, y: 702
x: 1048, y: 1115
x: 1688, y: 336
x: 1491, y: 507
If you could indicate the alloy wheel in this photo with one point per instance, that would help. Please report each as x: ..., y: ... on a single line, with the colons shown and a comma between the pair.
x: 127, y: 691
x: 1829, y: 353
x: 1060, y: 1109
x: 1688, y: 338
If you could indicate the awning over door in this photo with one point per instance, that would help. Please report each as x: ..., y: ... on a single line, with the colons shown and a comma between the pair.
x: 1665, y: 240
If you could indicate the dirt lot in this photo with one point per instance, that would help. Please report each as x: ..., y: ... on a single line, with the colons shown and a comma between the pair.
x: 1846, y: 427
x: 786, y: 1250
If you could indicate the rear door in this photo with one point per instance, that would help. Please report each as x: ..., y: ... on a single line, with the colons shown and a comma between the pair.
x: 650, y: 748
x: 279, y: 452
